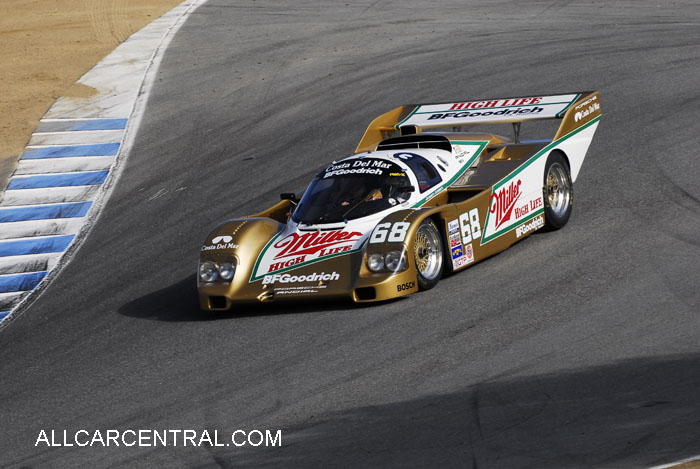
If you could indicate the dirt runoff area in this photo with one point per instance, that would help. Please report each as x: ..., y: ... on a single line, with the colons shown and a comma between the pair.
x: 46, y: 46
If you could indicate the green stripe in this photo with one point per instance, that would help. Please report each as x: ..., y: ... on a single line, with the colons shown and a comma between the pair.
x: 408, y: 117
x: 512, y: 227
x: 262, y: 254
x: 561, y: 113
x: 510, y: 176
x: 253, y: 278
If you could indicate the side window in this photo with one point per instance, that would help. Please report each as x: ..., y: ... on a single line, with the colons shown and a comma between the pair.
x: 425, y: 172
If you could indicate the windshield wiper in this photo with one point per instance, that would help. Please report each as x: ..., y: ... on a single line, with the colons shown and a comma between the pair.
x: 362, y: 200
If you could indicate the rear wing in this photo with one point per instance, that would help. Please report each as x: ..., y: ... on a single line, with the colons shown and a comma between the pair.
x: 575, y: 109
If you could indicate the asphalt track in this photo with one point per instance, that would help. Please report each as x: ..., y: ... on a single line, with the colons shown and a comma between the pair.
x: 577, y: 348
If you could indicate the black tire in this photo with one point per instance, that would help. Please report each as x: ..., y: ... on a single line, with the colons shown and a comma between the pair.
x: 557, y: 191
x: 428, y: 255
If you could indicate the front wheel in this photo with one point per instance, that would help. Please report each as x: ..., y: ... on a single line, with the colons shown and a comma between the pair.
x: 558, y: 191
x: 427, y: 252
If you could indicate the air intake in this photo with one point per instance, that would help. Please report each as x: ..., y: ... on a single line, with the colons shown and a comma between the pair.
x: 217, y: 302
x: 365, y: 293
x: 437, y: 142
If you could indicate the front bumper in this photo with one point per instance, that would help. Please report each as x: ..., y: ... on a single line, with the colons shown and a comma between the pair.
x: 344, y: 277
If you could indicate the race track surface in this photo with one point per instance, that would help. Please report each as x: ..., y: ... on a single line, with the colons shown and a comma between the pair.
x: 577, y: 348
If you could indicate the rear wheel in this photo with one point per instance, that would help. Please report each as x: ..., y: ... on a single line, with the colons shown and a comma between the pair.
x: 558, y: 191
x: 427, y: 252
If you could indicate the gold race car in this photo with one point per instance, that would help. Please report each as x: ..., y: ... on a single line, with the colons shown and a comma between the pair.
x: 413, y: 202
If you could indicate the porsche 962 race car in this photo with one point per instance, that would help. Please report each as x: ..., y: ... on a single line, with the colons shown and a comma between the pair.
x: 413, y: 202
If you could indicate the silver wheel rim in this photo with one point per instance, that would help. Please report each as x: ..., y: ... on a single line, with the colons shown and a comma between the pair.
x: 427, y: 252
x: 558, y: 189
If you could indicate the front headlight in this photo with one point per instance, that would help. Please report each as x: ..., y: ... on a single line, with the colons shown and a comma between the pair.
x: 208, y: 271
x: 375, y: 262
x: 393, y: 260
x: 226, y: 270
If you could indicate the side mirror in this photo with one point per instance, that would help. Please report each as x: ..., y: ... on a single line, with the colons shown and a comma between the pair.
x: 288, y: 196
x: 407, y: 189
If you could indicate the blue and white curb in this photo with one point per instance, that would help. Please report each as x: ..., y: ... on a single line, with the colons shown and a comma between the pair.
x: 38, y: 225
x: 73, y: 157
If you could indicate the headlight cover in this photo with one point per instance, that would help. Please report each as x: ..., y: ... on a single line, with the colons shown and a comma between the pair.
x: 226, y: 270
x: 393, y: 260
x: 375, y: 262
x: 208, y: 271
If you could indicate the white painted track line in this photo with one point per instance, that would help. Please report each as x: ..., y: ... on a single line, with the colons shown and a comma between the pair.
x: 28, y: 263
x: 49, y: 195
x: 61, y: 165
x: 32, y: 228
x: 10, y: 300
x: 75, y: 138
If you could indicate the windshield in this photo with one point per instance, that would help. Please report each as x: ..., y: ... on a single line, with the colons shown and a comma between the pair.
x: 353, y: 189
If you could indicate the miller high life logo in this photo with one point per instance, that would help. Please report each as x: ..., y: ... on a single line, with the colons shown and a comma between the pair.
x: 502, y: 202
x: 312, y: 243
x: 297, y: 248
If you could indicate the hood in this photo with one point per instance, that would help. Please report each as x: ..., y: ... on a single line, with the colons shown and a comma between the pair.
x: 299, y: 245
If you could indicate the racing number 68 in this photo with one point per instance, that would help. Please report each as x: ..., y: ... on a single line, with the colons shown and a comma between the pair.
x: 396, y: 235
x: 469, y: 222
